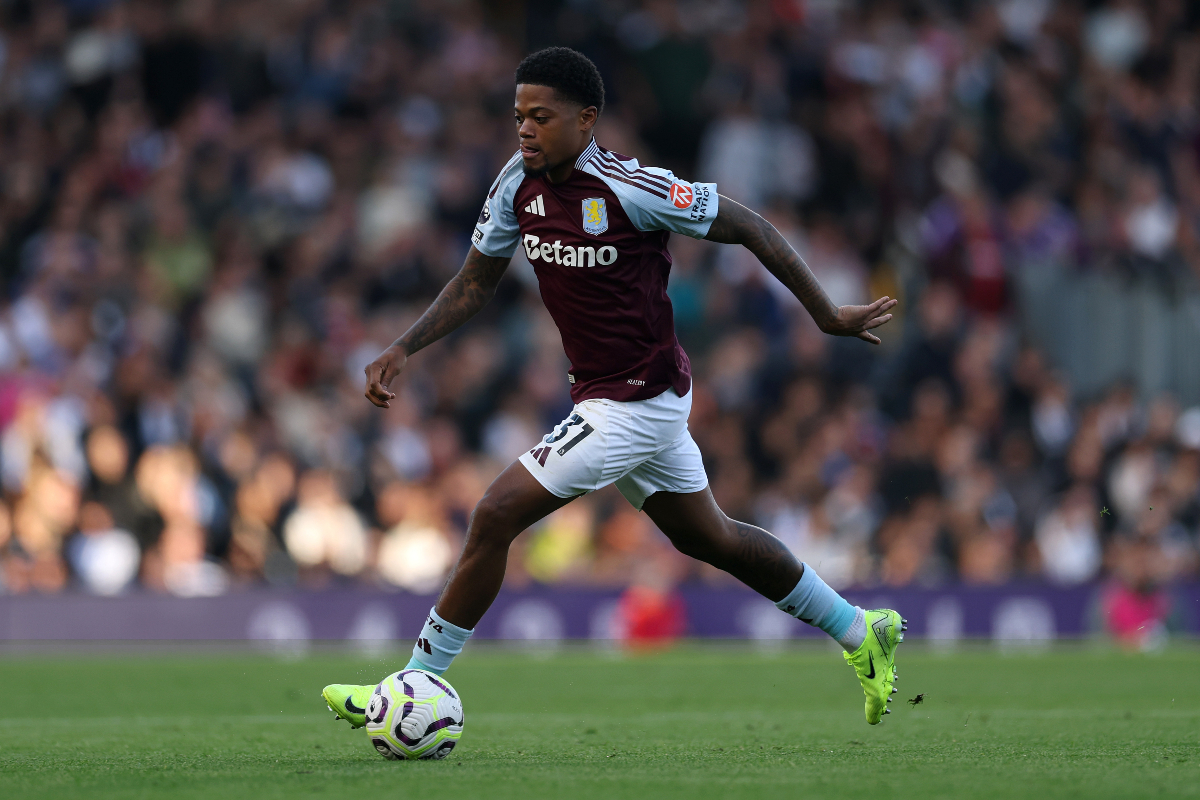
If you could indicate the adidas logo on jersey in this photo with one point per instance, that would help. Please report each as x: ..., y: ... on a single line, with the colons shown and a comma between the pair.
x: 537, y: 207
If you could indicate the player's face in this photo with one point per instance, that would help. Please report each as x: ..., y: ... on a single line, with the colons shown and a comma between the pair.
x: 553, y: 132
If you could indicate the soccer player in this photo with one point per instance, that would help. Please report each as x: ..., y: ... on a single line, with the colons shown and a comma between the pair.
x: 594, y: 225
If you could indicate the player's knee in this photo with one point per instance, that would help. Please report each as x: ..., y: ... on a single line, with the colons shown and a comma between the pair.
x: 492, y: 521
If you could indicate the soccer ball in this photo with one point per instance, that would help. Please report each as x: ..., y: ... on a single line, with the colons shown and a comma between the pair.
x: 414, y: 714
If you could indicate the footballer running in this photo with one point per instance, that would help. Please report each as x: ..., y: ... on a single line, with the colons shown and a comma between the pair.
x: 594, y: 224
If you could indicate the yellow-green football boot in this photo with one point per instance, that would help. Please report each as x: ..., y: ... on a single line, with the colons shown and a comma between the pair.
x: 875, y: 660
x: 348, y: 702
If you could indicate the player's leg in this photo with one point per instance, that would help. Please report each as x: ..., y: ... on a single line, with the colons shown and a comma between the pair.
x: 578, y: 456
x: 697, y: 526
x: 569, y: 461
x: 672, y: 489
x: 513, y: 502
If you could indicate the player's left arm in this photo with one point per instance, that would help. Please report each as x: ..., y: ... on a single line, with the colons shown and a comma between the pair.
x: 736, y: 224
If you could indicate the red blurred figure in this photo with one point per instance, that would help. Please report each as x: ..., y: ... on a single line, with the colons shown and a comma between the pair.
x: 1136, y: 606
x: 650, y: 617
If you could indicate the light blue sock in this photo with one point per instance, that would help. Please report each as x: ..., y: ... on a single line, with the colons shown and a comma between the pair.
x: 812, y: 601
x: 438, y: 644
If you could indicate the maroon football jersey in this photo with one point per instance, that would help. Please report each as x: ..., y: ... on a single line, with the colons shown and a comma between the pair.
x: 598, y: 243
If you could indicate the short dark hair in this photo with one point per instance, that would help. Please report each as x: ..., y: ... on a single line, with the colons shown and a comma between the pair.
x: 571, y: 75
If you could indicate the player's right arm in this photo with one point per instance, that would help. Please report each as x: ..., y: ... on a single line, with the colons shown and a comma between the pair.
x: 466, y: 293
x: 492, y: 246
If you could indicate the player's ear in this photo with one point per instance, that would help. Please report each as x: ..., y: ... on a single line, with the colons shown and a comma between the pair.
x: 587, y: 118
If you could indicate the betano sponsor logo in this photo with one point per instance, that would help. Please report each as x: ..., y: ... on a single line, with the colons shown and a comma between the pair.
x: 567, y: 255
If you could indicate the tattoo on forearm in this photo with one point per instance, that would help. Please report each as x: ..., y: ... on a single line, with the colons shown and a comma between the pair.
x: 736, y: 224
x: 466, y: 293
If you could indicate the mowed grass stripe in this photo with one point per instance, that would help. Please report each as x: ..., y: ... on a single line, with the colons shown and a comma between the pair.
x: 573, y: 720
x: 692, y: 723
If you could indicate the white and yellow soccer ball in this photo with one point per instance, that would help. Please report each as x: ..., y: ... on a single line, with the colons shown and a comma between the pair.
x: 414, y: 714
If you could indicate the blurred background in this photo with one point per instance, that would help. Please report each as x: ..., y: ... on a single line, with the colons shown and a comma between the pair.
x: 214, y: 214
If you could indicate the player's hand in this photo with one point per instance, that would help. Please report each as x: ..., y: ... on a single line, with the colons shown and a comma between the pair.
x: 857, y: 321
x: 380, y: 374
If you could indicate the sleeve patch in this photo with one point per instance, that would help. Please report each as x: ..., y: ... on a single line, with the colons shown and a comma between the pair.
x: 698, y: 208
x: 496, y: 230
x: 681, y: 195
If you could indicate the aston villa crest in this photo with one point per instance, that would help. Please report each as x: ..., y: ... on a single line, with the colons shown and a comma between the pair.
x: 595, y: 216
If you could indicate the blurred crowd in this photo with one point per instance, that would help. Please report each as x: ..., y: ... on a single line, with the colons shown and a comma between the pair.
x: 213, y: 214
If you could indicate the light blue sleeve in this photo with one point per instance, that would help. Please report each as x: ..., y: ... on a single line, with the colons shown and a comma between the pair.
x: 653, y: 198
x: 496, y: 233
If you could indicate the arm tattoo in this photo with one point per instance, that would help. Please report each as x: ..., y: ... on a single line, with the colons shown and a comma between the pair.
x: 466, y: 293
x: 736, y: 224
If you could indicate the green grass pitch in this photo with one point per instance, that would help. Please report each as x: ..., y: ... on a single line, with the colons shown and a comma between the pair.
x: 696, y: 722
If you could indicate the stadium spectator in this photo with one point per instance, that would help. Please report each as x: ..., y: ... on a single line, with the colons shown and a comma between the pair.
x: 206, y: 232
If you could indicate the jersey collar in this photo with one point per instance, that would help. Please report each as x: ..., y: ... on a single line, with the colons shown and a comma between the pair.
x: 587, y: 154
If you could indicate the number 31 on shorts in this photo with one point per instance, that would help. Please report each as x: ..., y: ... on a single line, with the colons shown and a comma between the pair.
x: 542, y: 452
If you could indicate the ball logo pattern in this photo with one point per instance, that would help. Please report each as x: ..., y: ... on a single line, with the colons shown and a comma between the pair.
x: 377, y: 707
x: 384, y: 750
x: 414, y: 714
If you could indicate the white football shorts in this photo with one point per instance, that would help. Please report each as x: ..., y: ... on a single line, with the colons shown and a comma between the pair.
x: 643, y: 446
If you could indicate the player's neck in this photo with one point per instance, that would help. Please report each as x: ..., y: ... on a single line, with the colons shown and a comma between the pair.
x: 563, y: 171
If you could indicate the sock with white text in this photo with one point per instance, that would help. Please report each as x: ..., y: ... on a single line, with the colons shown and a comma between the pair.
x: 438, y: 644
